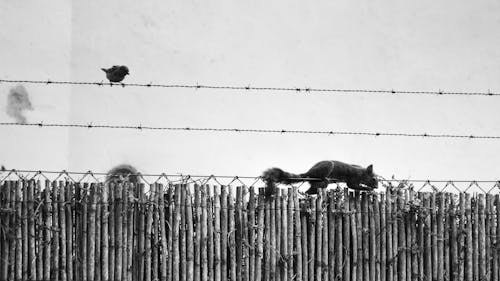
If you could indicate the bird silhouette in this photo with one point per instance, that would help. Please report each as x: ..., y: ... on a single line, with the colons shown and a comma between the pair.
x: 116, y: 73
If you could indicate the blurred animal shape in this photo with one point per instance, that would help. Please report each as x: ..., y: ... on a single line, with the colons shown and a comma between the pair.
x: 17, y: 102
x: 116, y: 73
x: 122, y: 173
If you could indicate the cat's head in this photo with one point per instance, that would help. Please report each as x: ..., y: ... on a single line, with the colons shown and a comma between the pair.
x: 369, y: 178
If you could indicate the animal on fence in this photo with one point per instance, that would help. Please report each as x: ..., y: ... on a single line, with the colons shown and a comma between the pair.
x: 123, y: 173
x: 116, y: 73
x: 322, y: 174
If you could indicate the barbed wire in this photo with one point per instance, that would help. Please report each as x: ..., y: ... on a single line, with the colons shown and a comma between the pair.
x: 141, y: 127
x: 252, y: 88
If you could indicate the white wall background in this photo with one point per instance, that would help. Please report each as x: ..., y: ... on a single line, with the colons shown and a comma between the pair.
x: 408, y: 45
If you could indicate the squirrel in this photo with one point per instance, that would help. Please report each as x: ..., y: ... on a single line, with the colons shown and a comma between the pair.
x: 322, y: 174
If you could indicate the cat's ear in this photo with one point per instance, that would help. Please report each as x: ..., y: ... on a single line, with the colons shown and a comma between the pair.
x: 369, y: 169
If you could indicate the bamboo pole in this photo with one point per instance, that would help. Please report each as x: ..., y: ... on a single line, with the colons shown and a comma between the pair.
x: 126, y: 248
x: 56, y: 230
x: 312, y: 238
x: 440, y: 237
x: 31, y: 231
x: 446, y: 239
x: 70, y: 223
x: 246, y: 245
x: 339, y: 242
x: 409, y: 243
x: 163, y: 233
x: 372, y: 248
x: 415, y: 260
x: 401, y: 252
x: 421, y: 236
x: 182, y: 235
x: 376, y: 246
x: 382, y: 237
x: 434, y: 234
x: 104, y: 230
x: 298, y: 236
x: 482, y: 239
x: 98, y: 231
x: 224, y: 234
x: 251, y: 233
x: 62, y: 223
x: 332, y: 213
x: 91, y: 234
x: 461, y: 238
x: 175, y: 233
x: 359, y: 237
x: 346, y: 235
x: 24, y: 226
x: 210, y: 236
x: 260, y: 236
x: 118, y: 225
x: 131, y: 212
x: 489, y: 237
x: 278, y: 209
x: 366, y: 240
x: 111, y: 231
x: 6, y: 232
x: 289, y: 254
x: 238, y: 234
x: 285, y: 250
x: 495, y: 240
x: 453, y: 240
x: 13, y: 237
x: 389, y: 223
x: 18, y: 256
x: 475, y: 238
x: 325, y: 238
x: 217, y: 231
x: 154, y: 233
x: 468, y: 270
x: 304, y: 240
x: 147, y: 236
x: 38, y: 230
x: 319, y: 234
x: 231, y: 236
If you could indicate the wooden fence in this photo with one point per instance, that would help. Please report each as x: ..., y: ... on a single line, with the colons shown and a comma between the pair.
x: 67, y: 231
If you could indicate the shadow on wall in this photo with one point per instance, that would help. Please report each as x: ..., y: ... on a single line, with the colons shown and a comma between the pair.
x: 122, y: 173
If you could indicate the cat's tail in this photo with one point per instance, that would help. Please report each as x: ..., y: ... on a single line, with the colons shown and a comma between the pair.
x: 275, y: 175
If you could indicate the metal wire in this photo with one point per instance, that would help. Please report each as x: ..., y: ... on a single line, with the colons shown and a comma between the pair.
x: 251, y: 88
x: 237, y: 130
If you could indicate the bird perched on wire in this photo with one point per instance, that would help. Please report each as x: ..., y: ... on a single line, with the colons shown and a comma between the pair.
x: 116, y: 73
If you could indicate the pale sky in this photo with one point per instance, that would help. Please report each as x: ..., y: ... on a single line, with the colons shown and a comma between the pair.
x: 398, y: 44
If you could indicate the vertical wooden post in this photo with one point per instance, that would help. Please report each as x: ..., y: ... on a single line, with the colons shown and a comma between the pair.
x: 210, y: 235
x: 389, y: 223
x: 62, y: 223
x: 324, y: 241
x: 217, y: 231
x: 104, y: 230
x: 251, y: 233
x: 312, y: 238
x: 260, y: 236
x: 284, y: 234
x: 224, y: 234
x: 304, y: 240
x: 232, y: 238
x: 298, y: 235
x: 278, y: 210
x: 332, y: 247
x: 339, y: 243
x: 346, y: 235
x: 382, y: 236
x: 175, y: 233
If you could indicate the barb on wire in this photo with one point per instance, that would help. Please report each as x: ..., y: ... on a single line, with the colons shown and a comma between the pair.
x: 263, y: 131
x: 197, y: 86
